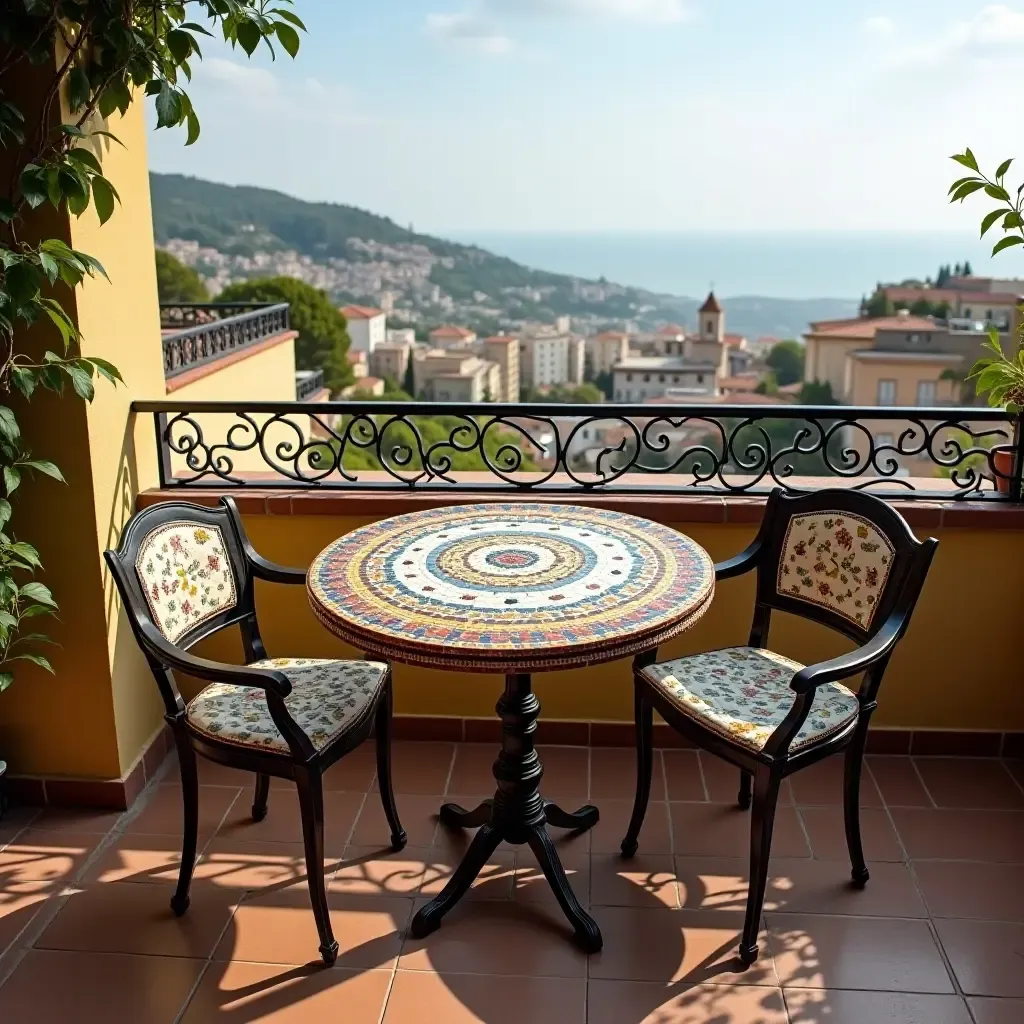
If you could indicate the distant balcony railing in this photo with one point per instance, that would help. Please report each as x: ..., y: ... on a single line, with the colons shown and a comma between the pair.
x: 308, y: 382
x: 198, y: 333
x: 918, y: 453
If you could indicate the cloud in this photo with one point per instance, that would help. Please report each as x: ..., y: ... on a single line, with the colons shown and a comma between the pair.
x: 879, y: 25
x: 482, y: 26
x: 469, y: 29
x: 237, y: 77
x: 995, y: 31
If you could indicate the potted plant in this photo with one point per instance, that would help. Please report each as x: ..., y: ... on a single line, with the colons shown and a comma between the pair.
x: 999, y: 376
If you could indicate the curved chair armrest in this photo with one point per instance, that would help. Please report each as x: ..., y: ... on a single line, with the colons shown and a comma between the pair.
x: 271, y: 571
x: 213, y: 671
x: 741, y: 563
x: 878, y: 647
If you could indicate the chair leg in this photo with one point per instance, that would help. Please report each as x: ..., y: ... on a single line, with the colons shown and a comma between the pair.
x: 190, y: 832
x: 311, y: 805
x: 746, y: 784
x: 643, y: 713
x: 259, y: 803
x: 853, y: 766
x: 762, y: 822
x: 387, y: 795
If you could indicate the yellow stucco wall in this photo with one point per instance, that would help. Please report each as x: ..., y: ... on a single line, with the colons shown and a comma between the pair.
x: 957, y: 668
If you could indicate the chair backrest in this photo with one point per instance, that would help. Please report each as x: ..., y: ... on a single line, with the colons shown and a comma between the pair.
x: 182, y: 567
x: 840, y: 557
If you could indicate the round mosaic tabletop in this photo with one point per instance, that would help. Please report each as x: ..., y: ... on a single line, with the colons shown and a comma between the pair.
x: 510, y: 587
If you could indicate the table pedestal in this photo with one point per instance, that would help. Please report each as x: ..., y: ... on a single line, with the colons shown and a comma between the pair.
x: 518, y: 815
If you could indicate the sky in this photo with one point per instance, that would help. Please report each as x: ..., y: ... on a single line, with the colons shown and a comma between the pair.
x: 620, y: 115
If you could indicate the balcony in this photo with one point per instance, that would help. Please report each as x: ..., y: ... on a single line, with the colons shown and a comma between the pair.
x: 935, y: 937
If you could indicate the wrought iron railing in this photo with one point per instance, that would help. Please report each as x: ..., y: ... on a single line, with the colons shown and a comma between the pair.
x: 308, y: 382
x: 634, y: 449
x: 198, y: 333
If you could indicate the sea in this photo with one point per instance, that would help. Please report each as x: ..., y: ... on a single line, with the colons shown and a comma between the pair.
x: 784, y: 265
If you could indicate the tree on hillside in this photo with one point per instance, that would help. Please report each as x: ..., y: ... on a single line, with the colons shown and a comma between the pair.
x: 787, y: 360
x: 877, y: 305
x: 323, y: 339
x: 176, y: 282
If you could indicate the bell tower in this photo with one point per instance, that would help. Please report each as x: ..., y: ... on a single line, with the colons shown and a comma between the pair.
x: 711, y: 320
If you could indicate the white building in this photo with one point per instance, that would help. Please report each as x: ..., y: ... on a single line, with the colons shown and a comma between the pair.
x: 607, y: 349
x: 401, y: 336
x: 367, y: 327
x: 552, y: 359
x: 642, y: 378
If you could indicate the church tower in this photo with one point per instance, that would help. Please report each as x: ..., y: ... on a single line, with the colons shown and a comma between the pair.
x: 711, y: 321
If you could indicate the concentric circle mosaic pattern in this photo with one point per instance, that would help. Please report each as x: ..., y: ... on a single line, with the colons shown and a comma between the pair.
x: 510, y: 587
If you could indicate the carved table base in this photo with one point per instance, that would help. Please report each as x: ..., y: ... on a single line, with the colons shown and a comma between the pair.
x: 518, y: 815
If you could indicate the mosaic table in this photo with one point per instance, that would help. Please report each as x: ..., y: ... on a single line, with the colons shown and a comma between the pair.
x: 511, y: 589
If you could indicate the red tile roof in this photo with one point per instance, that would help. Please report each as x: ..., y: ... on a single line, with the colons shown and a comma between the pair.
x: 361, y: 312
x: 864, y: 328
x: 671, y: 330
x: 449, y: 331
x: 735, y: 339
x: 711, y: 305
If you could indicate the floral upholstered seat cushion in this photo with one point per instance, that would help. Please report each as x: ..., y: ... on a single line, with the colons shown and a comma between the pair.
x: 327, y: 699
x: 743, y: 693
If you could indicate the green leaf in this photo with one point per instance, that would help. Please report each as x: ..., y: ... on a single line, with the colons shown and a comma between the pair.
x: 85, y: 158
x: 63, y: 322
x: 6, y: 678
x: 180, y: 44
x: 990, y: 219
x: 193, y: 127
x: 9, y: 428
x: 961, y: 181
x: 966, y: 158
x: 33, y: 185
x: 6, y: 211
x: 966, y: 189
x: 35, y: 610
x: 81, y: 381
x: 1005, y: 243
x: 91, y: 261
x: 24, y: 380
x: 38, y: 593
x: 103, y: 196
x: 47, y: 468
x: 73, y: 130
x: 12, y: 478
x: 997, y: 192
x: 289, y: 38
x: 106, y: 370
x: 23, y: 281
x: 1013, y: 220
x: 52, y: 379
x: 248, y: 35
x: 79, y: 89
x: 50, y: 267
x: 289, y: 16
x: 26, y: 553
x: 36, y: 659
x: 1003, y: 168
x: 108, y: 135
x: 5, y: 511
x: 168, y: 107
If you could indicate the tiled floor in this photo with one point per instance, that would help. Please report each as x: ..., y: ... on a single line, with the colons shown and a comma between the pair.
x: 936, y: 938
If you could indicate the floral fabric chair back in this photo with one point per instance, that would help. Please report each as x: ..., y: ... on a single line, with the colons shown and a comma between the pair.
x: 185, y: 572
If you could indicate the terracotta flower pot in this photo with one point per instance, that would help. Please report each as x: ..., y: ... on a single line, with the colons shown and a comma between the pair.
x: 1002, y: 462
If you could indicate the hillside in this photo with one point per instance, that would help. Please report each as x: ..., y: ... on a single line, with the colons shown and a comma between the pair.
x: 355, y: 255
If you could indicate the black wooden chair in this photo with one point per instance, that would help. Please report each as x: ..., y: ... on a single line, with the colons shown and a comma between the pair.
x: 839, y: 557
x: 185, y: 572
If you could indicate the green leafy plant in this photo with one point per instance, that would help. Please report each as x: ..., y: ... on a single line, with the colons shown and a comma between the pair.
x: 90, y: 58
x: 1000, y: 377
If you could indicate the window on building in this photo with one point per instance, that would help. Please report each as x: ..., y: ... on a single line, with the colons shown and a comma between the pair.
x: 926, y: 392
x: 647, y: 378
x: 661, y: 378
x: 629, y: 378
x: 967, y: 313
x: 700, y: 378
x: 711, y: 326
x: 886, y: 392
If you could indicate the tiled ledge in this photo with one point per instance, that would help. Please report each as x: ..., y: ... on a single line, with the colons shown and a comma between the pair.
x: 667, y: 509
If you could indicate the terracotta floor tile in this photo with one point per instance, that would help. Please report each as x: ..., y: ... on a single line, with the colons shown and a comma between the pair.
x: 163, y: 814
x: 807, y: 1006
x: 372, y: 871
x: 140, y: 858
x: 996, y: 837
x: 967, y: 889
x: 898, y: 781
x: 648, y: 1002
x: 855, y: 952
x: 975, y: 782
x: 238, y: 864
x: 670, y: 946
x: 1016, y: 768
x: 14, y: 820
x: 422, y: 768
x: 40, y: 856
x: 720, y: 829
x: 50, y: 987
x: 354, y: 773
x: 498, y: 937
x: 283, y: 823
x: 822, y: 783
x: 682, y: 773
x: 986, y: 956
x: 125, y: 918
x: 495, y: 881
x: 278, y: 928
x: 56, y: 819
x: 799, y: 885
x: 474, y: 999
x: 997, y: 1011
x: 647, y: 880
x: 607, y: 835
x: 213, y: 774
x: 723, y: 781
x: 532, y: 887
x: 827, y: 833
x: 19, y: 904
x: 418, y: 815
x: 565, y: 778
x: 240, y: 993
x: 613, y: 775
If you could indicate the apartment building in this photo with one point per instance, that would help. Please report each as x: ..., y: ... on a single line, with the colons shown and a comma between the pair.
x: 391, y: 360
x: 550, y: 357
x: 643, y: 378
x: 606, y: 349
x: 503, y: 351
x: 455, y: 376
x: 367, y: 327
x: 450, y: 336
